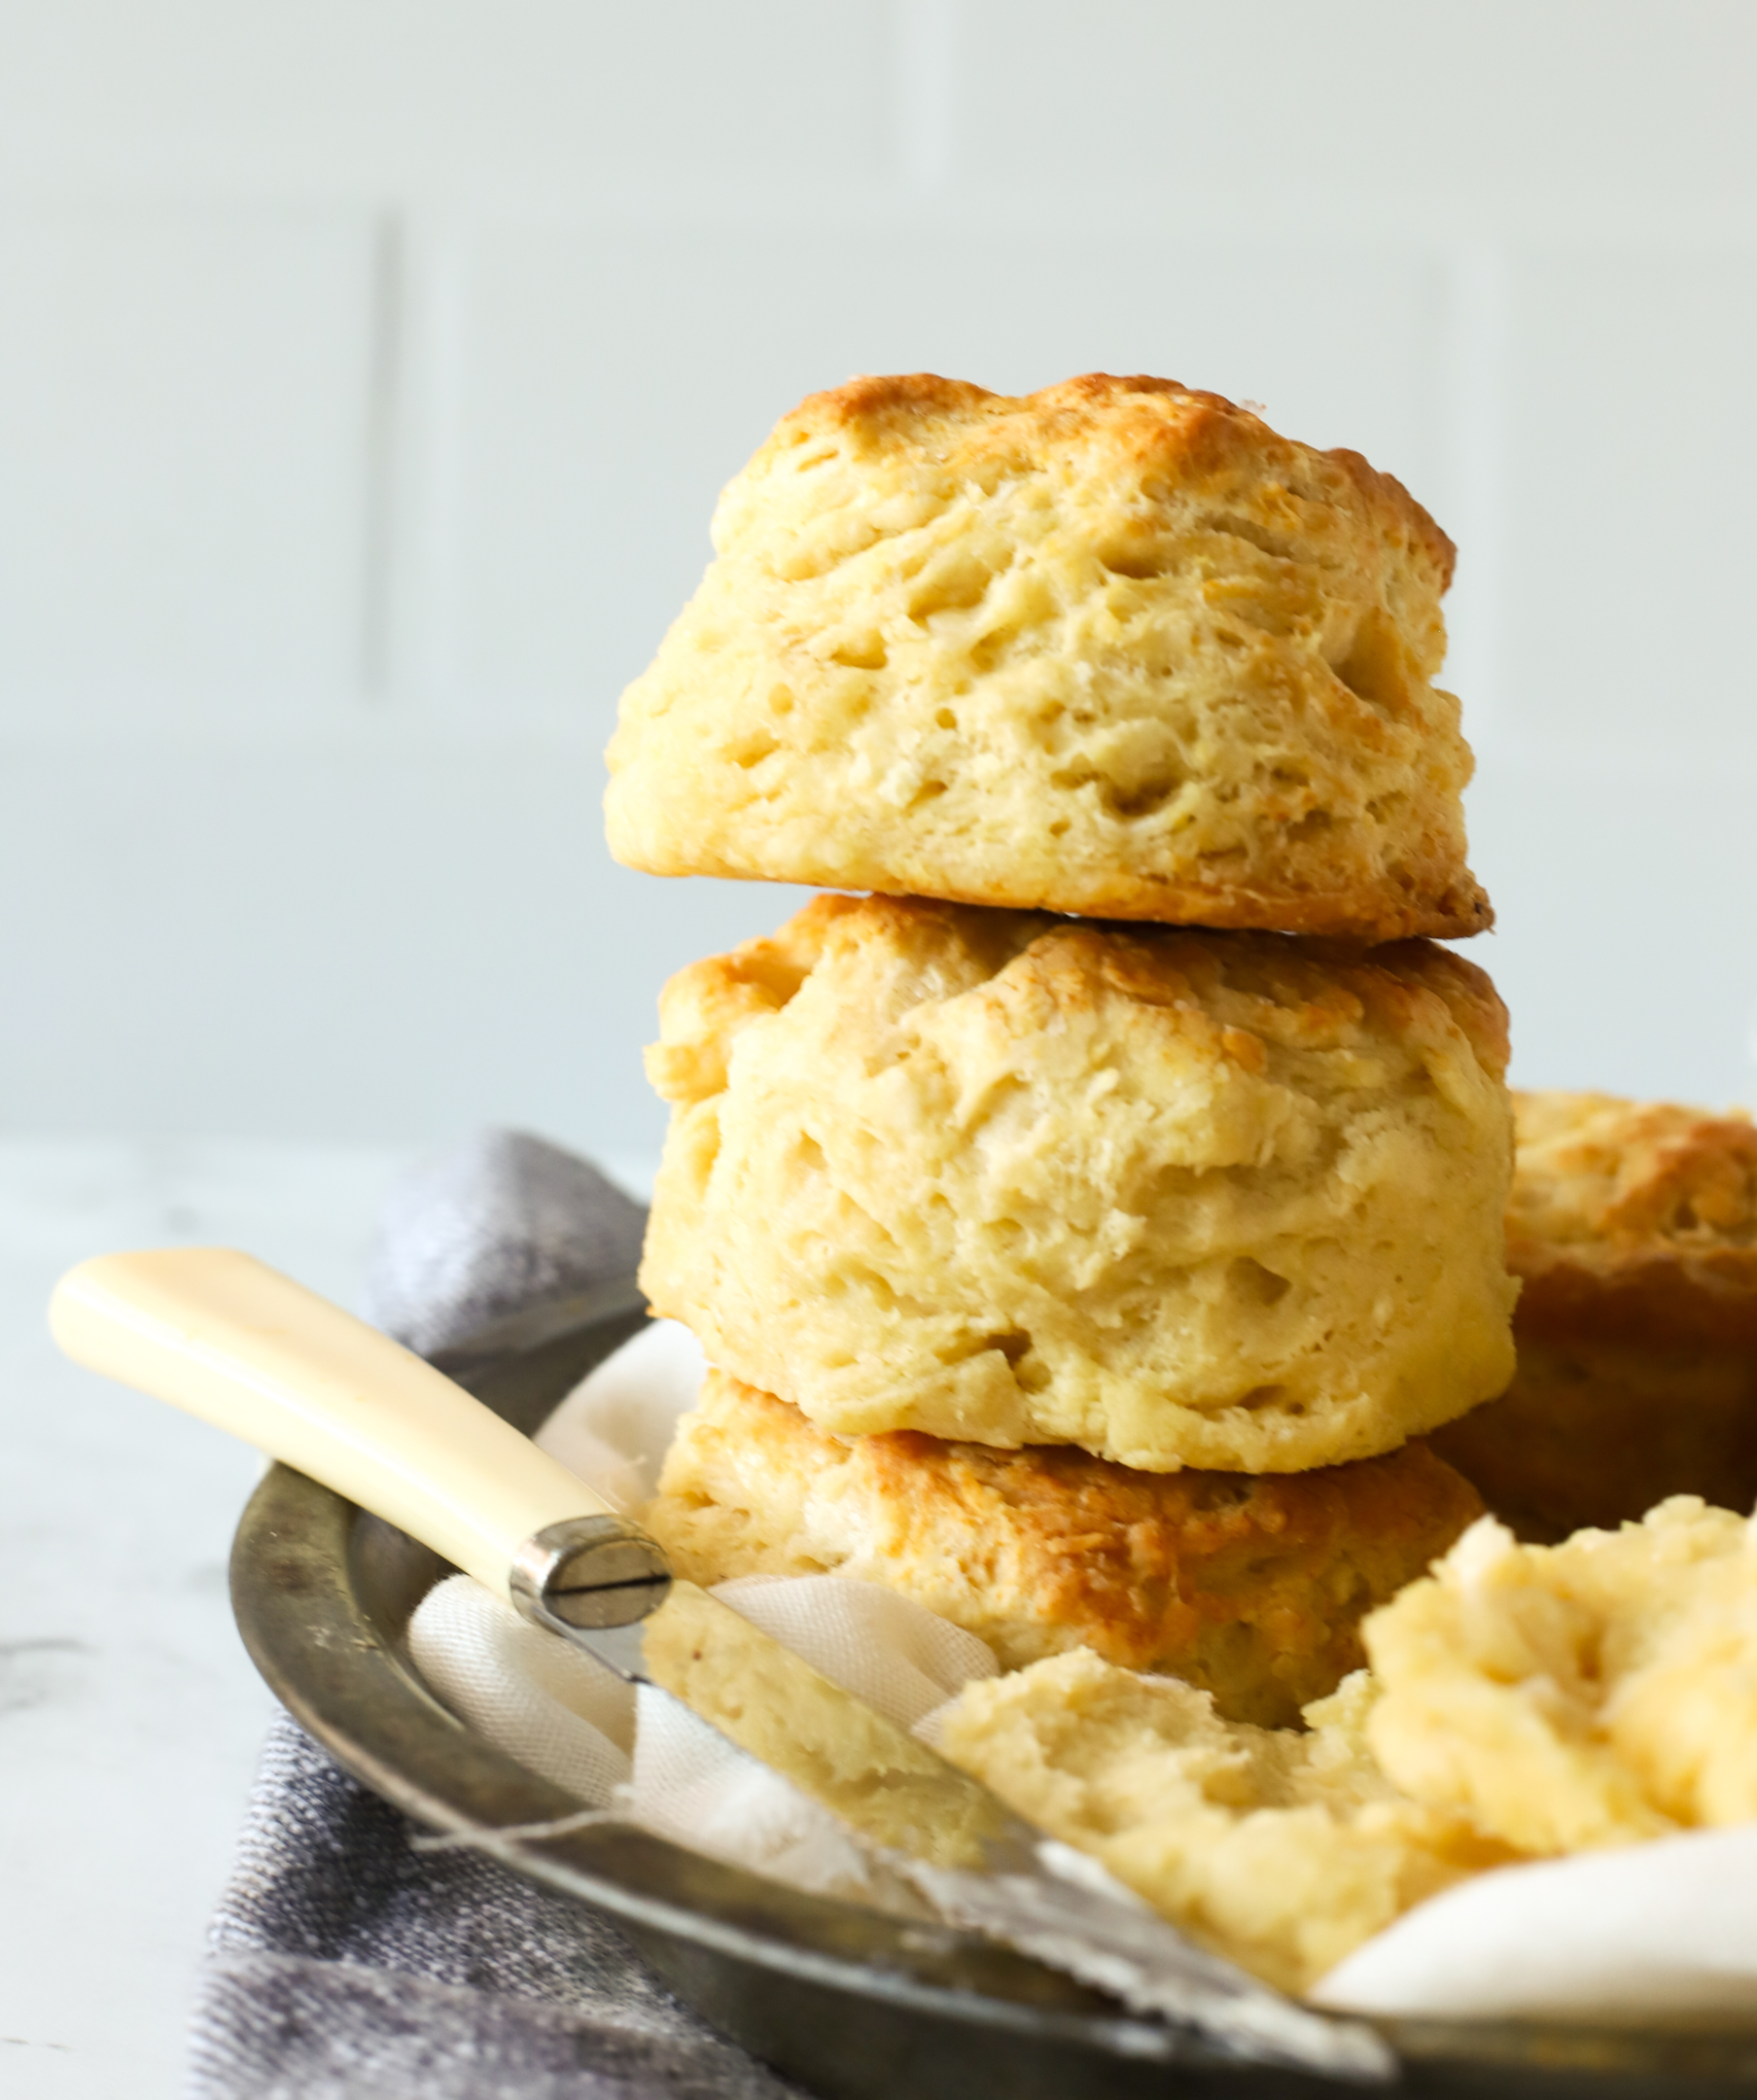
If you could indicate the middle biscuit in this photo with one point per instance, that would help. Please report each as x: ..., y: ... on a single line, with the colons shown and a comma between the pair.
x: 1181, y: 1198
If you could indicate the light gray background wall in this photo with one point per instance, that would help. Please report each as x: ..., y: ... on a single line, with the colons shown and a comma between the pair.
x: 369, y: 369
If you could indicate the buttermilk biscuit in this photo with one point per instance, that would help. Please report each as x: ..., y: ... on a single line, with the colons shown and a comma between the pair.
x: 1590, y: 1693
x: 1249, y: 1587
x: 1113, y: 649
x: 1219, y: 1200
x: 1634, y: 1226
x: 1282, y: 1851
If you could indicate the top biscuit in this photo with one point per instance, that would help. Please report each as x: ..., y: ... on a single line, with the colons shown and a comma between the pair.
x: 1114, y: 648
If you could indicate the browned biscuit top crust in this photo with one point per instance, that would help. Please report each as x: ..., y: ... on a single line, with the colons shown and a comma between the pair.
x: 1637, y: 1219
x: 1310, y: 988
x: 1143, y: 422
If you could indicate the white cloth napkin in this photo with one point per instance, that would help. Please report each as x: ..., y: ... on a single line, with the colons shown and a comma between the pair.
x: 1657, y: 1931
x: 569, y: 1719
x: 1651, y: 1933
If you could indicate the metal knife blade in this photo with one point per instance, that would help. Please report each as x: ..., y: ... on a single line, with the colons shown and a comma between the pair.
x: 978, y: 1862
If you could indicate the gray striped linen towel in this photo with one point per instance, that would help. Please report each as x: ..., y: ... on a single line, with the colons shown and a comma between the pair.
x: 345, y: 1965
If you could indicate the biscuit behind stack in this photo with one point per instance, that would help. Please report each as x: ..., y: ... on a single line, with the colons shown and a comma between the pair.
x: 1633, y: 1228
x: 1208, y: 1198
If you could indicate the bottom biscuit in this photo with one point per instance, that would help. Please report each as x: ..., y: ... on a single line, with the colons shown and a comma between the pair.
x: 1248, y: 1586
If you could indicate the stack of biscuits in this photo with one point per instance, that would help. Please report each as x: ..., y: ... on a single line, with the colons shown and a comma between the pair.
x: 1083, y: 1223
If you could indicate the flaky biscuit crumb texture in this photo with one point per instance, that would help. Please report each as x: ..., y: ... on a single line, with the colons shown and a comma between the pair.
x: 1571, y: 1696
x: 1282, y: 1851
x: 1114, y: 648
x: 1181, y: 1198
x: 1249, y: 1587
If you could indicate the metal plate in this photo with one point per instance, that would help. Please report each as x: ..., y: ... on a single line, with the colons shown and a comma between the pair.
x: 851, y: 2005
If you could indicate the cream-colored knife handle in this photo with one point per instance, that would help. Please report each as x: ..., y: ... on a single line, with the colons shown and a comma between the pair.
x: 247, y: 1348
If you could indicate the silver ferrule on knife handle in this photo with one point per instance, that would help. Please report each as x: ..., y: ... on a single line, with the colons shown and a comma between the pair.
x: 588, y: 1572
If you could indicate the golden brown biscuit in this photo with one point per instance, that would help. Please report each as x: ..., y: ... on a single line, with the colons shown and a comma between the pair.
x: 1635, y: 1218
x: 1634, y: 1226
x: 1590, y: 1694
x: 1114, y: 648
x: 1182, y: 1198
x: 1249, y: 1587
x: 1282, y: 1851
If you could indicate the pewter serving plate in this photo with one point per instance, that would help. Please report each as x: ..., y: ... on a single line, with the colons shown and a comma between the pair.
x: 851, y: 2005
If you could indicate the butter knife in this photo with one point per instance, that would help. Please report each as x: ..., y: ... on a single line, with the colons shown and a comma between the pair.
x: 215, y: 1332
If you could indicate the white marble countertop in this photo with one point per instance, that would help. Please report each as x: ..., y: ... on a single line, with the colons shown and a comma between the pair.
x: 129, y: 1714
